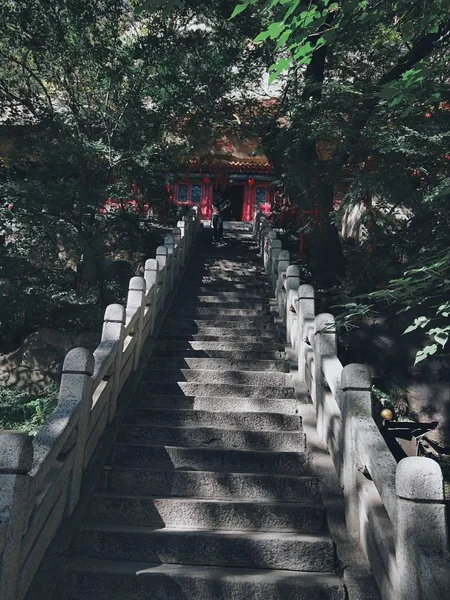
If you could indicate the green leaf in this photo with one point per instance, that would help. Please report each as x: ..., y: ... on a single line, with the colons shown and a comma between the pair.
x: 275, y: 29
x: 240, y: 8
x: 261, y: 37
x: 419, y: 322
x: 425, y: 352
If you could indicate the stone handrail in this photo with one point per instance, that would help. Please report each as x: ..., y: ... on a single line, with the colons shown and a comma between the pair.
x: 395, y: 511
x: 40, y: 478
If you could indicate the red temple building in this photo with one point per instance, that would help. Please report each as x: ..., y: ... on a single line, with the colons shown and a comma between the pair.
x: 235, y: 166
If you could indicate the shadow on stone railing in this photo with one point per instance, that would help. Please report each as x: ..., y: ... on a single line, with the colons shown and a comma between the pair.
x: 395, y: 511
x: 40, y: 478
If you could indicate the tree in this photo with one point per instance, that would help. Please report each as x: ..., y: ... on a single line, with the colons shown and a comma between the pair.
x: 95, y: 98
x: 361, y: 75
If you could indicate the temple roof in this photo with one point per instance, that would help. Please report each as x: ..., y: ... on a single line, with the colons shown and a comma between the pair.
x: 231, y: 153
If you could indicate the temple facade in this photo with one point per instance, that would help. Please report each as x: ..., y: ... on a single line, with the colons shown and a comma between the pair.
x: 234, y: 166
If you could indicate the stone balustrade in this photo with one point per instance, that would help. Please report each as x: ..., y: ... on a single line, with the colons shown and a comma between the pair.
x: 40, y: 478
x: 396, y: 512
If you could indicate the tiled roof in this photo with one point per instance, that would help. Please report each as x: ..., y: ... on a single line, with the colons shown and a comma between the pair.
x: 231, y: 153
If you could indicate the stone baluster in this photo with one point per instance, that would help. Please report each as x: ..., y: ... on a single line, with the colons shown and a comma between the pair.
x: 325, y: 344
x: 255, y: 220
x: 136, y: 302
x: 113, y: 331
x: 183, y: 241
x: 306, y: 314
x: 76, y: 391
x: 273, y: 246
x: 274, y: 256
x: 280, y: 291
x: 284, y: 259
x: 422, y: 534
x: 259, y: 229
x: 176, y: 234
x: 169, y: 244
x: 270, y: 237
x: 356, y: 385
x: 16, y: 460
x: 290, y: 313
x: 161, y: 257
x: 151, y: 282
x: 266, y: 228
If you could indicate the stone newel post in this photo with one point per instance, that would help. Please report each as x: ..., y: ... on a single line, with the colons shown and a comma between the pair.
x: 151, y: 281
x: 281, y: 266
x: 421, y: 531
x: 161, y: 257
x: 16, y: 459
x: 290, y: 314
x: 76, y: 389
x: 113, y: 331
x: 356, y: 385
x: 136, y: 302
x: 306, y: 315
x: 324, y: 345
x: 170, y: 245
x: 270, y: 237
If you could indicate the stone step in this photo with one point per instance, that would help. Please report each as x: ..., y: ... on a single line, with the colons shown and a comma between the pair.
x: 240, y: 309
x: 221, y: 334
x: 218, y: 320
x: 211, y: 459
x: 260, y: 286
x: 229, y: 297
x: 182, y: 388
x: 197, y: 513
x: 90, y: 579
x: 217, y: 403
x: 227, y: 330
x: 220, y: 364
x: 213, y: 437
x: 228, y: 345
x: 264, y: 550
x: 212, y: 376
x: 201, y: 418
x: 248, y: 357
x: 210, y: 484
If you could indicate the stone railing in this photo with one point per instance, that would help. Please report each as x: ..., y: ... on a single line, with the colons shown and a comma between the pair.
x: 395, y: 511
x: 40, y: 478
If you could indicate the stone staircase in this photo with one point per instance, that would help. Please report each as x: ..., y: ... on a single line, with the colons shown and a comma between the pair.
x: 208, y: 493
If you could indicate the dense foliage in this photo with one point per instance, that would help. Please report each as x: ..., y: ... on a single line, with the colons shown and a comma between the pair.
x: 98, y: 101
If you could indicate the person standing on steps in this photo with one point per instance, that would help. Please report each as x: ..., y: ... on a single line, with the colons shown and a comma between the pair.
x: 218, y: 208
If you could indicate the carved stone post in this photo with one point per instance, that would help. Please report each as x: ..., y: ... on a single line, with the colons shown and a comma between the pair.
x: 76, y: 390
x: 151, y: 282
x: 290, y: 314
x: 324, y: 345
x: 183, y: 241
x: 274, y: 256
x: 421, y: 531
x: 170, y: 245
x: 16, y: 459
x: 113, y: 331
x: 356, y: 388
x: 306, y: 314
x: 266, y: 227
x: 270, y: 237
x: 273, y: 245
x: 161, y: 257
x: 136, y: 302
x: 282, y: 264
x: 176, y: 234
